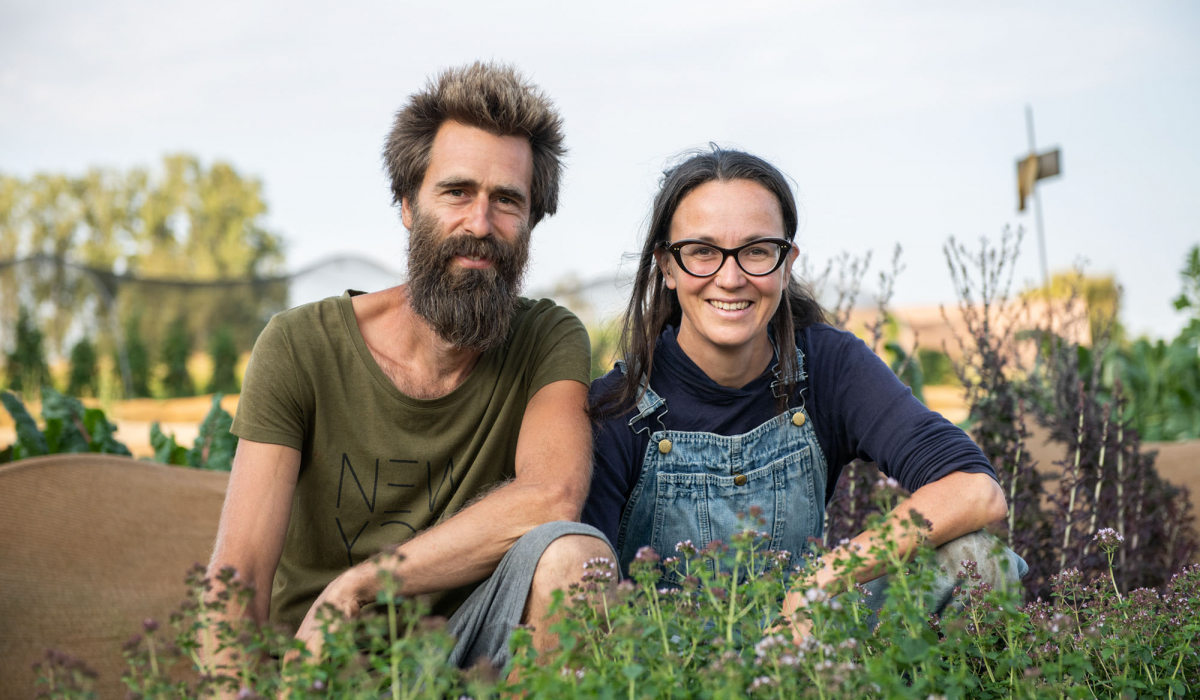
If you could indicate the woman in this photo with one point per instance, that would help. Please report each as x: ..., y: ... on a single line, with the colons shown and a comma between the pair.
x: 734, y: 393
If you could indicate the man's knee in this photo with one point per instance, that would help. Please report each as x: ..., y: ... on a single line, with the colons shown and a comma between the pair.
x: 562, y: 562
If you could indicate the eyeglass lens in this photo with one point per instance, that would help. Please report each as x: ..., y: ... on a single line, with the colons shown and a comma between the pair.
x: 702, y: 259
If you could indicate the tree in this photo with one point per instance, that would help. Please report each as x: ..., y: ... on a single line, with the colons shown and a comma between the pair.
x: 26, y: 365
x: 83, y: 377
x: 224, y: 353
x: 138, y: 357
x: 176, y: 348
x: 185, y: 220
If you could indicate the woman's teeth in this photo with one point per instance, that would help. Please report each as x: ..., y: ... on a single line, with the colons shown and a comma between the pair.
x: 735, y: 306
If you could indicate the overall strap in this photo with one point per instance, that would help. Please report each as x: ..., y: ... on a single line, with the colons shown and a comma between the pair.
x: 798, y: 376
x: 647, y: 404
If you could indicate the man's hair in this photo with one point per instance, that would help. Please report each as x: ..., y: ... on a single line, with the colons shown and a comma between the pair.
x: 489, y: 96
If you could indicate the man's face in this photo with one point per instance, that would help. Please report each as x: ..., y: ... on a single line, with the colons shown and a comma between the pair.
x: 469, y: 235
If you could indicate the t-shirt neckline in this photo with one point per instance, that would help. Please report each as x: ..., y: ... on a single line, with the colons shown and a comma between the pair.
x: 346, y: 305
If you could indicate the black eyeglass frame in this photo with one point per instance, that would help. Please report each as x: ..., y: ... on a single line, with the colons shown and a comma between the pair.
x: 676, y: 249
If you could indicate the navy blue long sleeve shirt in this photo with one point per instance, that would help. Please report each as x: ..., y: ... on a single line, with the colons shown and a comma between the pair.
x: 858, y: 406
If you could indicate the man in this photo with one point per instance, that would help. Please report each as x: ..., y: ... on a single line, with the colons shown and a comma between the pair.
x: 446, y: 415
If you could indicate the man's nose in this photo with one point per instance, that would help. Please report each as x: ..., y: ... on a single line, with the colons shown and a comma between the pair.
x: 478, y: 222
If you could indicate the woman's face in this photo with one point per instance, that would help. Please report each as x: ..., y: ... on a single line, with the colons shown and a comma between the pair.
x: 730, y: 309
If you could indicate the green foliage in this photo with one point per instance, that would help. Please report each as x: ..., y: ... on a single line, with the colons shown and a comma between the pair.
x: 1189, y: 297
x: 166, y: 450
x: 907, y: 368
x: 185, y: 219
x: 176, y: 349
x: 937, y: 367
x: 70, y: 427
x: 83, y: 379
x: 604, y: 348
x: 224, y: 353
x: 215, y: 446
x: 26, y: 365
x: 30, y: 441
x: 137, y: 356
x: 714, y: 636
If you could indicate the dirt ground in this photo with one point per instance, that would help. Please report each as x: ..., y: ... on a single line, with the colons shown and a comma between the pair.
x: 1177, y: 462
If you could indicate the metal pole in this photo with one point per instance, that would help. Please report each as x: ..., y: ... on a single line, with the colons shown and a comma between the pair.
x: 1037, y: 207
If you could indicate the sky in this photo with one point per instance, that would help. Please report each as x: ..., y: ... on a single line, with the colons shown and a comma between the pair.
x: 899, y: 122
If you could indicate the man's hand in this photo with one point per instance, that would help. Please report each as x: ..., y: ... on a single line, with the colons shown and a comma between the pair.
x: 344, y: 598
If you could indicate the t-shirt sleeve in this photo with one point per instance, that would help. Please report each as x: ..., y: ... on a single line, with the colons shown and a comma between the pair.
x: 272, y: 407
x: 563, y: 351
x: 876, y: 418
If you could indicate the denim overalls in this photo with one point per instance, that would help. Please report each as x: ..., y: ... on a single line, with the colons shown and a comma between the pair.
x: 694, y: 485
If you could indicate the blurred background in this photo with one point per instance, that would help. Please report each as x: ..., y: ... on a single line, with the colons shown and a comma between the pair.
x: 171, y: 174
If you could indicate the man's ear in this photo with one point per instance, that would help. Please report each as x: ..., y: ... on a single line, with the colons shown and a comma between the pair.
x: 406, y: 216
x: 664, y: 260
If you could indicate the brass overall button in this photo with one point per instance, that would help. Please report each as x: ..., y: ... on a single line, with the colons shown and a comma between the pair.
x: 798, y: 418
x: 664, y: 446
x: 739, y: 479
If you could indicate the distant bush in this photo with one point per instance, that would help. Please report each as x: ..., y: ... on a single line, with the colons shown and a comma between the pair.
x: 224, y: 353
x: 937, y: 367
x: 25, y: 366
x: 176, y: 349
x: 83, y: 378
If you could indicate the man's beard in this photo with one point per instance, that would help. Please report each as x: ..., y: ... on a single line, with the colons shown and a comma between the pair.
x: 466, y: 307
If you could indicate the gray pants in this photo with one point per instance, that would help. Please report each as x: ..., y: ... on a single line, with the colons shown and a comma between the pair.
x: 482, y: 625
x: 977, y: 547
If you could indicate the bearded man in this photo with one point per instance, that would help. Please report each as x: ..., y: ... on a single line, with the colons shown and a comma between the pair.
x: 441, y: 423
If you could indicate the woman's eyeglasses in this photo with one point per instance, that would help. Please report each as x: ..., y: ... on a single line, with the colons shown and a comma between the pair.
x: 756, y: 258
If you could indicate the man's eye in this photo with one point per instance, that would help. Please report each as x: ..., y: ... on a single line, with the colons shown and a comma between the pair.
x: 456, y: 193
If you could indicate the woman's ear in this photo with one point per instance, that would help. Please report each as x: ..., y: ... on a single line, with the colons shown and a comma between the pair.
x: 663, y: 258
x: 792, y: 254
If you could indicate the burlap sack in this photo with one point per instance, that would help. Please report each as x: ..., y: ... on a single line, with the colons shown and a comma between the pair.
x: 91, y: 545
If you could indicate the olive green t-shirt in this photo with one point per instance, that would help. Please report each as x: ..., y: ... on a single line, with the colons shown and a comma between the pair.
x: 378, y: 466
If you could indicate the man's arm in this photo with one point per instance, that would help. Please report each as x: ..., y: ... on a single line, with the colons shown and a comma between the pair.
x: 553, y: 470
x: 254, y: 521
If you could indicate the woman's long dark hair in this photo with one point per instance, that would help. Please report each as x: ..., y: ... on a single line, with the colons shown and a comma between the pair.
x: 653, y: 305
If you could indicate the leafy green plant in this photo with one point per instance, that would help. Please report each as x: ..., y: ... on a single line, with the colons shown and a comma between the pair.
x: 83, y: 378
x: 224, y: 353
x: 713, y: 636
x: 176, y: 349
x: 214, y: 447
x: 70, y: 427
x: 137, y: 356
x: 26, y: 366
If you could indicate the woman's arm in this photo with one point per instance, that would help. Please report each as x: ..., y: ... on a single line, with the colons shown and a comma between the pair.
x: 955, y: 505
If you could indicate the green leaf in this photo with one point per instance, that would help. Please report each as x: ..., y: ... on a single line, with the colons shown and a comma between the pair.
x: 633, y: 671
x: 65, y: 431
x: 102, y: 434
x: 215, y: 446
x: 914, y: 649
x: 30, y: 441
x: 165, y: 448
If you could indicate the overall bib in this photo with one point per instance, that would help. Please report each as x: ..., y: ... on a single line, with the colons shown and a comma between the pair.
x: 693, y: 486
